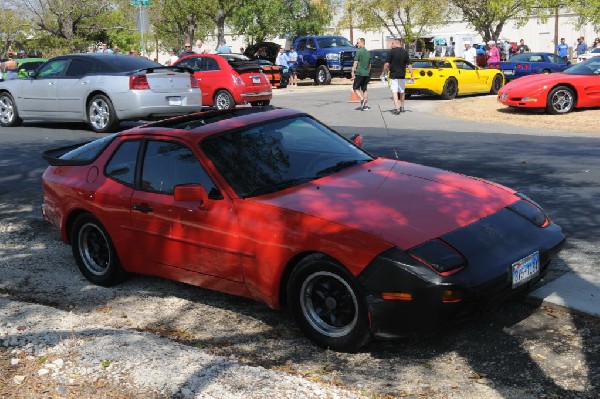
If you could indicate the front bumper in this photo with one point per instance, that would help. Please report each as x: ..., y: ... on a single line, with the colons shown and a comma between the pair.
x: 490, y: 246
x: 529, y: 101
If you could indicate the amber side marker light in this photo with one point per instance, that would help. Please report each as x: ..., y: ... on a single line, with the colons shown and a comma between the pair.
x: 397, y: 296
x: 452, y: 296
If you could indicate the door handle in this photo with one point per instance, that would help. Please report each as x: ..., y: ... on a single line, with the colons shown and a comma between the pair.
x: 142, y: 208
x: 84, y: 82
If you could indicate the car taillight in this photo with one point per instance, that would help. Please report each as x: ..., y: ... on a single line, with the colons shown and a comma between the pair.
x: 138, y: 82
x: 526, y: 66
x: 193, y: 81
x: 518, y: 66
x: 237, y: 80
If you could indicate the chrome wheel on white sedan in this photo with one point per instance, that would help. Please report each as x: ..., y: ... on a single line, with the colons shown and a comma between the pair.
x: 8, y: 111
x: 101, y: 115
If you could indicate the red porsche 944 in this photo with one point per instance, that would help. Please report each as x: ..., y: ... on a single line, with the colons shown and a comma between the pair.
x: 271, y: 204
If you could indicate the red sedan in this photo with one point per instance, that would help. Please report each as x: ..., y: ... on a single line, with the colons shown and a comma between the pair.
x: 558, y: 93
x: 228, y: 79
x: 272, y: 205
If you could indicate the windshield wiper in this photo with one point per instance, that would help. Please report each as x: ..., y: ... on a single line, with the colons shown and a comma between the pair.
x: 339, y: 166
x: 278, y: 186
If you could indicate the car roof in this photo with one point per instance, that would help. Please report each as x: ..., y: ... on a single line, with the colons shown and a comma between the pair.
x: 202, y: 124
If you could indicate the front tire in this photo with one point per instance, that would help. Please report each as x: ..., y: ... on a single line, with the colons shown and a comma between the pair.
x: 561, y: 100
x: 224, y: 100
x: 9, y: 115
x: 497, y: 84
x: 450, y: 89
x: 322, y: 77
x: 328, y: 304
x: 101, y: 115
x: 95, y: 252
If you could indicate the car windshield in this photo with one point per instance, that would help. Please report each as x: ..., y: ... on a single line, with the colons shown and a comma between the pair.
x: 589, y: 67
x: 280, y: 154
x: 329, y: 42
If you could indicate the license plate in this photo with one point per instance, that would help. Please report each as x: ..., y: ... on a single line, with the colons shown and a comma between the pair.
x: 508, y: 72
x: 525, y: 269
x: 174, y: 100
x: 256, y: 79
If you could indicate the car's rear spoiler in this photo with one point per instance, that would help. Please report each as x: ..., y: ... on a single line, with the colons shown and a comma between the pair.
x: 52, y: 156
x: 172, y: 68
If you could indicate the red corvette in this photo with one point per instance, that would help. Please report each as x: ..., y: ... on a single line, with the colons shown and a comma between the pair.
x: 270, y: 204
x: 558, y: 93
x: 228, y: 79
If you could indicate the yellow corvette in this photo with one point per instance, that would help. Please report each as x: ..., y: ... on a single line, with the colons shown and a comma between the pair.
x: 449, y: 77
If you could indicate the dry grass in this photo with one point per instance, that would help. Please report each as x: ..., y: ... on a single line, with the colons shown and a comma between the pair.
x: 488, y: 109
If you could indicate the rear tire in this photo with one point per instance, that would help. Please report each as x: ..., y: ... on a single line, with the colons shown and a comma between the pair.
x: 561, y: 100
x: 224, y: 100
x: 450, y: 89
x: 497, y: 84
x: 328, y: 304
x: 95, y: 252
x: 101, y: 114
x: 9, y: 115
x: 322, y: 76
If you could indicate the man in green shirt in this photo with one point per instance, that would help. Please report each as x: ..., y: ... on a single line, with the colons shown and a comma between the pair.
x: 361, y: 73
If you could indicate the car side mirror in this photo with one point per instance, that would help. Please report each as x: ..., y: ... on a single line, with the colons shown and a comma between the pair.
x: 191, y: 193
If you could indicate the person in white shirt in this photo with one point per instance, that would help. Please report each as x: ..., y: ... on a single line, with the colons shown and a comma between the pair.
x: 172, y: 58
x: 470, y: 54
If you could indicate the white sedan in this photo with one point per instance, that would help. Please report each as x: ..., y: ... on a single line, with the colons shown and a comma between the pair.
x: 595, y: 52
x: 100, y: 89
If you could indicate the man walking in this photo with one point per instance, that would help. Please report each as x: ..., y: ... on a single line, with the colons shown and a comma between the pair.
x: 397, y: 62
x: 361, y: 72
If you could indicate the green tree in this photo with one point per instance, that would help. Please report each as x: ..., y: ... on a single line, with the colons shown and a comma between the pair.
x: 488, y: 17
x: 178, y: 21
x: 409, y: 19
x: 13, y: 28
x: 263, y: 19
x: 67, y: 20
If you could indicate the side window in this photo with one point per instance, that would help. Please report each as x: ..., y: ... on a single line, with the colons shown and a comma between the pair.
x: 310, y: 44
x: 121, y: 166
x: 301, y: 45
x: 168, y: 164
x: 556, y: 59
x: 189, y: 63
x: 53, y: 69
x: 211, y: 64
x: 78, y: 68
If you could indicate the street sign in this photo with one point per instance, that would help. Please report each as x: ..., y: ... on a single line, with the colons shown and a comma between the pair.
x: 140, y: 2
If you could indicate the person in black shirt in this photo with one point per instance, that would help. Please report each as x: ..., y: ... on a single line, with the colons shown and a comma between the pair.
x: 397, y: 62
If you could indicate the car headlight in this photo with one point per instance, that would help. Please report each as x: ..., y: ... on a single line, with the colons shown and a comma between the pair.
x: 332, y: 56
x: 530, y: 210
x: 439, y: 256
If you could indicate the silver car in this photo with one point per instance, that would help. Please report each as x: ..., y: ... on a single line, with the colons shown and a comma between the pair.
x: 100, y: 89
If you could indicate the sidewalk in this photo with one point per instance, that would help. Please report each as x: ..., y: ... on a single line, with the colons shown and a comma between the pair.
x: 578, y: 291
